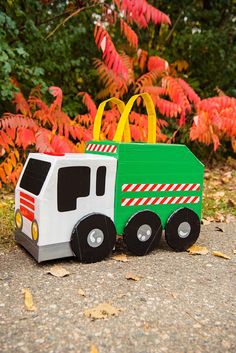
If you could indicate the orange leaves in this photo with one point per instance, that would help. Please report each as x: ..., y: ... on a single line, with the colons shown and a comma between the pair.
x: 110, y: 55
x: 87, y: 100
x: 129, y: 34
x: 216, y: 117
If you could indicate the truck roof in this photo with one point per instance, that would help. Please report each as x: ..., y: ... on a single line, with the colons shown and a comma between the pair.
x: 69, y: 156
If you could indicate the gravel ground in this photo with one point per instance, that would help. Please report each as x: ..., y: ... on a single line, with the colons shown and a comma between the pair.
x: 182, y: 302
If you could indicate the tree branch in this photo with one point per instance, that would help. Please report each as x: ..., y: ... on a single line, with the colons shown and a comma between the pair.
x: 73, y: 14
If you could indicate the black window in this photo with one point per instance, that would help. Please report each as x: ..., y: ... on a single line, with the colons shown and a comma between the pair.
x: 73, y: 182
x: 34, y: 175
x: 101, y: 181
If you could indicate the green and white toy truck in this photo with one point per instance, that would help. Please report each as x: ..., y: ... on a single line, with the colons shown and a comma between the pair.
x: 76, y: 204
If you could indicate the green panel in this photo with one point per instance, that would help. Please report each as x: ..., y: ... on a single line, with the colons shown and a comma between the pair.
x: 140, y: 163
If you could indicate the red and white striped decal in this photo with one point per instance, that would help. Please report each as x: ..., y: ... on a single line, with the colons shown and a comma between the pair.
x: 27, y: 206
x: 101, y: 148
x: 160, y: 187
x: 159, y: 200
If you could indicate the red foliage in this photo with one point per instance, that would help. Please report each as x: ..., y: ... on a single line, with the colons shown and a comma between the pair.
x: 216, y: 118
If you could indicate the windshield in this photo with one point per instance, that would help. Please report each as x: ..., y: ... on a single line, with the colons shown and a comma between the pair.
x: 35, y: 175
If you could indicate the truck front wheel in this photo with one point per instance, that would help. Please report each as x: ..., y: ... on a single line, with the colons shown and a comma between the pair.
x: 143, y: 232
x: 93, y: 238
x: 182, y: 229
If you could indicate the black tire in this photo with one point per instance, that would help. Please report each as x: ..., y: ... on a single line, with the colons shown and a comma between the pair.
x: 182, y: 229
x: 144, y: 224
x: 93, y: 238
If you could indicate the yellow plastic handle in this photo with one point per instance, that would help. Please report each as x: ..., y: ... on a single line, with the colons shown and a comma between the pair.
x: 98, y: 119
x: 151, y: 118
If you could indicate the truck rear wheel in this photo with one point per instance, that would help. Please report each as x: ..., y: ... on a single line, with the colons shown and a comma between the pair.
x: 182, y: 229
x: 93, y: 238
x: 143, y: 232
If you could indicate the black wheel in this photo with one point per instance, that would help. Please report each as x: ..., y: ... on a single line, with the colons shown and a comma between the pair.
x: 143, y: 232
x: 93, y: 238
x: 182, y: 229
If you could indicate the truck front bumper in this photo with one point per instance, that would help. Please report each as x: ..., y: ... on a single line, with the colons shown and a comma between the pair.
x: 45, y: 252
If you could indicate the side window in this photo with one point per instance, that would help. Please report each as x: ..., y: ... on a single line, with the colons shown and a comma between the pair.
x: 73, y: 182
x: 101, y: 181
x: 35, y: 175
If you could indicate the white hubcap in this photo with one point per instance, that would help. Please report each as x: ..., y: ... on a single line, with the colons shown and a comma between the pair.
x: 144, y: 232
x: 184, y: 230
x: 95, y: 237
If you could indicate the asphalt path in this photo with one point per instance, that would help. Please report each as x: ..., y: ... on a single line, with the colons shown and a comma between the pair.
x: 178, y: 302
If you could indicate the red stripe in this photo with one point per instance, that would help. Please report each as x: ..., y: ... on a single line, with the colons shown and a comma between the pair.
x: 137, y: 202
x: 195, y: 199
x: 146, y: 201
x: 103, y: 148
x: 186, y: 200
x: 163, y: 200
x: 170, y: 186
x: 153, y: 187
x: 27, y: 197
x: 161, y: 187
x: 113, y: 149
x: 144, y: 187
x: 136, y: 187
x: 26, y: 213
x: 127, y: 187
x: 185, y: 187
x: 192, y: 187
x: 172, y: 199
x: 26, y: 203
x: 129, y: 202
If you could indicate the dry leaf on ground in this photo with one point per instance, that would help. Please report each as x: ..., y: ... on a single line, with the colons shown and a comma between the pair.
x: 101, y: 311
x: 234, y: 251
x: 231, y: 203
x: 205, y: 221
x: 132, y: 277
x: 81, y: 292
x: 93, y: 349
x: 219, y: 194
x: 197, y: 250
x: 219, y: 229
x: 58, y: 271
x: 28, y: 299
x: 221, y: 254
x: 120, y: 257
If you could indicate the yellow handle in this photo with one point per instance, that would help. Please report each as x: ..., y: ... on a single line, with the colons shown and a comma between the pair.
x: 151, y: 118
x: 98, y: 119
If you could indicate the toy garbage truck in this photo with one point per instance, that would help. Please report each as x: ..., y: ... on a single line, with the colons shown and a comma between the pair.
x: 76, y: 204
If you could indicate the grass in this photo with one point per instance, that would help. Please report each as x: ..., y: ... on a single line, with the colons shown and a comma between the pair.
x: 219, y: 203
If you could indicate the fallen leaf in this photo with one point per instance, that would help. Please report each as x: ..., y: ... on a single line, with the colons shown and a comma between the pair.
x: 58, y: 271
x: 219, y: 229
x: 120, y: 257
x: 101, y: 311
x: 230, y: 218
x: 28, y: 299
x: 234, y: 251
x: 219, y: 217
x: 146, y: 326
x: 205, y: 221
x: 81, y: 292
x: 219, y: 194
x: 231, y: 203
x: 221, y: 254
x: 197, y: 250
x: 93, y: 349
x: 132, y: 277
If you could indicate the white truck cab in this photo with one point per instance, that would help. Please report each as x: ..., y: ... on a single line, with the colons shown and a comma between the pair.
x: 54, y: 193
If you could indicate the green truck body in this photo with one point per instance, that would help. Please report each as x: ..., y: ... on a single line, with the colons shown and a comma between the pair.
x: 142, y: 163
